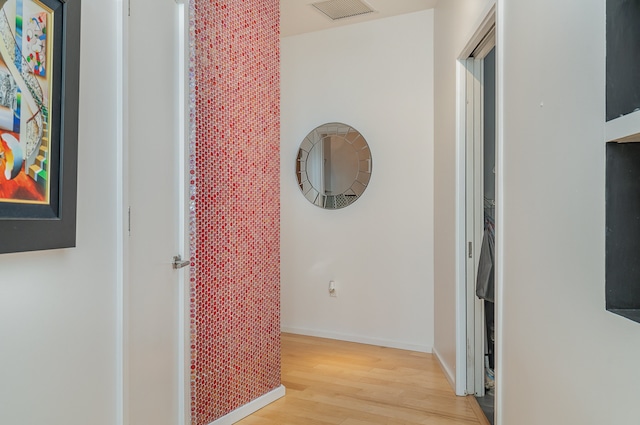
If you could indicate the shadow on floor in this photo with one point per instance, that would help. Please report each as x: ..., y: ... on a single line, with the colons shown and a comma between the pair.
x: 487, y: 405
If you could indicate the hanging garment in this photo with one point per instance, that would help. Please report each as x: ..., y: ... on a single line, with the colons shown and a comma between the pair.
x: 485, y: 280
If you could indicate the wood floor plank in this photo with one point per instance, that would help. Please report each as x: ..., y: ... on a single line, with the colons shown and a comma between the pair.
x: 333, y: 382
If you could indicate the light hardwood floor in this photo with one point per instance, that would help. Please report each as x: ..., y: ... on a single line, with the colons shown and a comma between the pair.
x: 336, y: 382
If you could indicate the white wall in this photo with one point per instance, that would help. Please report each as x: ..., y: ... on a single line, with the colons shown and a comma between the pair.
x: 565, y: 360
x: 58, y: 308
x: 455, y: 21
x: 378, y: 77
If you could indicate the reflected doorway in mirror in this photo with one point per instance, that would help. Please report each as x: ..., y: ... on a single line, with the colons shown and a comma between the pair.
x: 333, y: 166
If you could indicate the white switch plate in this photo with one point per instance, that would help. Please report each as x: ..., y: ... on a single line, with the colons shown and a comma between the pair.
x: 332, y: 289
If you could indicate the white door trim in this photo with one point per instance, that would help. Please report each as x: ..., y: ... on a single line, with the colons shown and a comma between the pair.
x: 500, y: 217
x: 461, y: 242
x: 184, y: 134
x: 122, y: 215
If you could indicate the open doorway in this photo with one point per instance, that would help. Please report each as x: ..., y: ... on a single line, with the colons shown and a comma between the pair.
x: 477, y: 183
x: 484, y: 219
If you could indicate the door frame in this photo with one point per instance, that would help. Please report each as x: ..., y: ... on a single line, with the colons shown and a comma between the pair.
x: 122, y: 212
x: 469, y: 352
x: 184, y: 216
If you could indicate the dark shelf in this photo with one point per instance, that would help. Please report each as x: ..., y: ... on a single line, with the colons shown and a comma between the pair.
x: 622, y: 246
x: 623, y: 58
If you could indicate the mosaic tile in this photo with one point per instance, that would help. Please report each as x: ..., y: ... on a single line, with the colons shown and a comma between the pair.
x: 235, y: 204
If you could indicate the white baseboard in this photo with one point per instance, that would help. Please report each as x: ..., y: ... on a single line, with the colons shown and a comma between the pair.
x: 448, y: 373
x: 251, y: 407
x: 359, y: 339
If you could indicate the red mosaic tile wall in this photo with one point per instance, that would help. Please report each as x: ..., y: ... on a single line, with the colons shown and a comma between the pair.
x: 235, y: 288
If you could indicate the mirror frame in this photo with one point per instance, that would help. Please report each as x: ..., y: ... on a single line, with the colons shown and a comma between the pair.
x: 345, y: 133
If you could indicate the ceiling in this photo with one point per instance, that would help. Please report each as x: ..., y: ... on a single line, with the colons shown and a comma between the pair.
x: 298, y: 16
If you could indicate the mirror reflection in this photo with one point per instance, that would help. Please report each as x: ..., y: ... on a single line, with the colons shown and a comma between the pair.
x: 333, y: 166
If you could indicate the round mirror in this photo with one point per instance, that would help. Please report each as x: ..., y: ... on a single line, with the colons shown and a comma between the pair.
x: 333, y: 166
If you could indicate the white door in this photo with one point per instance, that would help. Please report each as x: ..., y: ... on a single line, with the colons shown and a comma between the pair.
x: 155, y: 321
x: 474, y: 224
x: 480, y: 205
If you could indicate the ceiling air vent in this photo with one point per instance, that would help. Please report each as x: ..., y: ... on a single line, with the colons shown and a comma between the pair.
x: 339, y: 9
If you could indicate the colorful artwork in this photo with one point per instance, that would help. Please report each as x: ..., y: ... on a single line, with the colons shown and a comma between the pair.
x: 25, y: 110
x: 39, y: 102
x: 36, y: 44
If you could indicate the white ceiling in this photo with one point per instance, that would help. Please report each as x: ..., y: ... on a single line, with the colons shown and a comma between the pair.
x: 298, y: 16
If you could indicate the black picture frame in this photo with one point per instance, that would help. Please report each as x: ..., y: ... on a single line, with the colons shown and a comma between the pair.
x: 29, y: 227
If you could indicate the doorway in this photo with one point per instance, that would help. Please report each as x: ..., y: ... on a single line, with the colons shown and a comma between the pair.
x: 482, y: 277
x: 477, y: 127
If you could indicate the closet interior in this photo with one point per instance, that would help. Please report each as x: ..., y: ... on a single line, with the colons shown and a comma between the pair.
x: 485, y: 276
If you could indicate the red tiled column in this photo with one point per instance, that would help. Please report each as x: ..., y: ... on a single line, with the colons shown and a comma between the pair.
x: 235, y: 288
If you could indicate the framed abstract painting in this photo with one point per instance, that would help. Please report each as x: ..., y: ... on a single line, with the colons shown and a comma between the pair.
x: 39, y: 94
